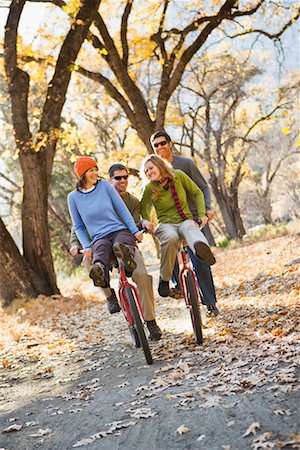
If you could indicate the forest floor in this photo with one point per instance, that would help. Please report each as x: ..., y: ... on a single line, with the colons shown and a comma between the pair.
x: 71, y: 378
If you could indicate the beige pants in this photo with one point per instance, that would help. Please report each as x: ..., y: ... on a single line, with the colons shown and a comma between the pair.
x: 143, y: 281
x: 169, y: 235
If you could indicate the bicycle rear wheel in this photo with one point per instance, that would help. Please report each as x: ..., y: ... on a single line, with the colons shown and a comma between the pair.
x: 138, y: 325
x: 194, y: 307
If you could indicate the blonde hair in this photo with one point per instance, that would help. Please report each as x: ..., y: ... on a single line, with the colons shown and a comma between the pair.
x: 164, y: 168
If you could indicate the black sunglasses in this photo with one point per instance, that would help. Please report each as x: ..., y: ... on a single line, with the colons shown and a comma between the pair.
x: 121, y: 177
x: 157, y: 144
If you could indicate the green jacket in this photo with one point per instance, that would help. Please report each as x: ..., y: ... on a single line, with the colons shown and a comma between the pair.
x: 165, y: 205
x: 132, y: 204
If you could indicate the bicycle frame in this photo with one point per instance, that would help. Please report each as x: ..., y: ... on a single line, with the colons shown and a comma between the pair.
x: 191, y: 293
x: 183, y: 270
x: 123, y: 283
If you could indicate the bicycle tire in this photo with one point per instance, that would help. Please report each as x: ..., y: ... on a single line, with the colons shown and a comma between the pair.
x: 194, y: 308
x: 138, y: 325
x: 134, y: 336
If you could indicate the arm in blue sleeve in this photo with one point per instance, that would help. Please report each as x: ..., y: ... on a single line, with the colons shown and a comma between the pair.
x: 78, y: 224
x: 122, y: 209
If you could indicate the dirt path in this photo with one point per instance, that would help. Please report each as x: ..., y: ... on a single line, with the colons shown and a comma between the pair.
x: 72, y: 379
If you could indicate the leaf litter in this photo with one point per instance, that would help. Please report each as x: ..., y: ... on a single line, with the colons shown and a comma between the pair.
x: 252, y: 344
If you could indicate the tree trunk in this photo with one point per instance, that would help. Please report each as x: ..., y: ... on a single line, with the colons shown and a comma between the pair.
x: 209, y: 235
x: 266, y: 207
x: 36, y: 159
x: 17, y: 277
x: 230, y: 211
x: 35, y: 233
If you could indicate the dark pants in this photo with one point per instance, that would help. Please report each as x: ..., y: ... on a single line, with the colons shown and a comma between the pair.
x: 102, y: 249
x: 204, y: 278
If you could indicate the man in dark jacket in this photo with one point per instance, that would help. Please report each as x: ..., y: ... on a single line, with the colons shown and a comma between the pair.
x: 162, y: 145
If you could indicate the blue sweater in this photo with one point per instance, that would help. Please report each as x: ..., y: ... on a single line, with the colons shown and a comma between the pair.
x: 98, y: 211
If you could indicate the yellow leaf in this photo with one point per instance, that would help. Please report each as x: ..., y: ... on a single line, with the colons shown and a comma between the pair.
x: 286, y: 130
x: 5, y: 363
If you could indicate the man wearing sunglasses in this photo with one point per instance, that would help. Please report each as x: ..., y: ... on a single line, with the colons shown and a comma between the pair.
x: 118, y: 177
x: 163, y: 146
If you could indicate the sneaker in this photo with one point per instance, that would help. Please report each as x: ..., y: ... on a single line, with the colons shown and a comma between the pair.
x: 163, y: 288
x: 112, y: 303
x: 176, y: 292
x: 122, y: 252
x: 155, y: 331
x: 203, y: 252
x: 212, y: 309
x: 97, y: 275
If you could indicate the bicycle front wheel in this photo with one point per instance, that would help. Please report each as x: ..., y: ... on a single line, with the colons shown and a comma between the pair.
x: 138, y: 325
x: 194, y: 307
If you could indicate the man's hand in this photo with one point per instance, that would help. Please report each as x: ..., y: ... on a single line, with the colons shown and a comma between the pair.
x: 204, y: 221
x: 74, y: 250
x: 88, y: 253
x: 149, y: 226
x: 139, y: 236
x: 210, y: 214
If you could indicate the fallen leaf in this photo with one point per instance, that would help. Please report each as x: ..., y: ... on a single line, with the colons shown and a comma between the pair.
x: 282, y: 412
x: 182, y: 429
x: 12, y: 428
x: 41, y: 432
x: 201, y: 437
x: 252, y: 429
x: 230, y: 423
x: 6, y: 363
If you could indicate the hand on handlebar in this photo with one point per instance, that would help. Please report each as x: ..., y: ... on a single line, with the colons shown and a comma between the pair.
x: 75, y: 250
x: 88, y: 253
x: 139, y: 236
x: 148, y: 226
x: 210, y: 214
x: 204, y: 221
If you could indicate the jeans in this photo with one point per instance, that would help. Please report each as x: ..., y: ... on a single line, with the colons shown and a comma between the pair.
x: 204, y: 278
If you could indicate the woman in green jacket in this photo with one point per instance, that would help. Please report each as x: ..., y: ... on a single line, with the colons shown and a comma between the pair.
x: 167, y: 193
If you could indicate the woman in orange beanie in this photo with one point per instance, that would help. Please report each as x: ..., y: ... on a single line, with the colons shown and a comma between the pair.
x: 96, y: 207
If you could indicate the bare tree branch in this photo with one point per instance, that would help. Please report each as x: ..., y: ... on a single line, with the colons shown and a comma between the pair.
x: 111, y: 90
x: 124, y: 29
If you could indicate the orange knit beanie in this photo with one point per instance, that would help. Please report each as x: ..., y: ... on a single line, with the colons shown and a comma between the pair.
x: 82, y: 164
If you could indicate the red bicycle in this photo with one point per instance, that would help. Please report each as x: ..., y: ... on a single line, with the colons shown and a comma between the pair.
x: 133, y: 312
x: 190, y: 291
x: 131, y: 306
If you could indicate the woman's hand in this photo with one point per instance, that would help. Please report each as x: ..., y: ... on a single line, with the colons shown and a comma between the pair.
x: 149, y: 226
x: 88, y: 253
x: 210, y: 214
x: 204, y: 220
x: 139, y: 236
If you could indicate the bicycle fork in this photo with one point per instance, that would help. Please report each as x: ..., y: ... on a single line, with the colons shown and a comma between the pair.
x: 123, y: 283
x: 186, y: 268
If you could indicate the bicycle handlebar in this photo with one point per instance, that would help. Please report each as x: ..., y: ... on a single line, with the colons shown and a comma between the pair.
x: 143, y: 230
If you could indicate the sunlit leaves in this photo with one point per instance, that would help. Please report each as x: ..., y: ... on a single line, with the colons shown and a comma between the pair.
x: 72, y: 7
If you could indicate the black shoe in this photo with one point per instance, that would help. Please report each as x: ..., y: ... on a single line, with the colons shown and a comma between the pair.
x: 97, y: 275
x: 203, y: 252
x: 155, y: 331
x: 122, y: 252
x: 112, y: 303
x: 212, y: 310
x: 163, y: 288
